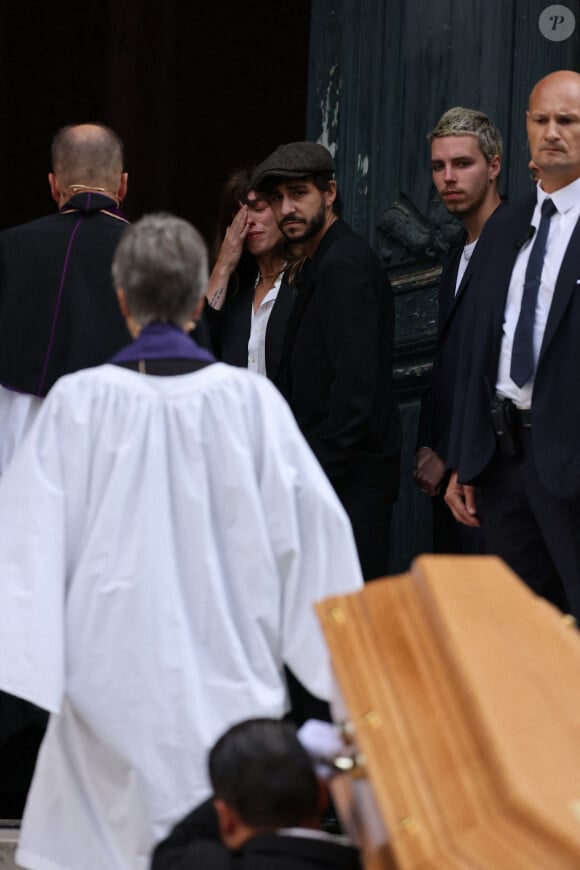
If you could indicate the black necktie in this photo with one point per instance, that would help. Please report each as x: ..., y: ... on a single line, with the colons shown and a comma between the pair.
x: 522, y: 364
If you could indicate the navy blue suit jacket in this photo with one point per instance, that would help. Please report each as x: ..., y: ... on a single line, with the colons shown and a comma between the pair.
x: 437, y: 403
x: 454, y: 308
x: 555, y: 405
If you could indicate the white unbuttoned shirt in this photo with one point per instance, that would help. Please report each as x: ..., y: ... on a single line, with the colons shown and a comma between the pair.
x: 258, y: 326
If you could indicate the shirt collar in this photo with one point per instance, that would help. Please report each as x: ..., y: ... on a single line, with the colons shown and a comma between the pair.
x: 315, y: 834
x: 564, y: 199
x: 272, y: 294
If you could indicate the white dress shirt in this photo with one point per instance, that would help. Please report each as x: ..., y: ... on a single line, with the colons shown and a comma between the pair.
x: 567, y: 202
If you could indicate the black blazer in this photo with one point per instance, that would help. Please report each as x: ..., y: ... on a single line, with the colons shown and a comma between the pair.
x: 437, y: 404
x: 336, y: 369
x: 58, y: 308
x: 195, y: 844
x: 555, y: 405
x: 229, y: 328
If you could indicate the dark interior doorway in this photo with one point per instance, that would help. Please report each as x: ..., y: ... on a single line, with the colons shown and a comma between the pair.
x: 194, y: 89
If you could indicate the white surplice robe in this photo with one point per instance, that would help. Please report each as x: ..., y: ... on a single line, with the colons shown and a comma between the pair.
x: 17, y: 414
x: 162, y: 540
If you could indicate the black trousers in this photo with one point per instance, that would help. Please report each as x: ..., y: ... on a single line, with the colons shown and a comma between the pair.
x: 450, y: 536
x: 530, y: 528
x: 369, y: 509
x: 22, y: 727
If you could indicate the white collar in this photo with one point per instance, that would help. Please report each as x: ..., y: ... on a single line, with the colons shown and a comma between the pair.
x: 564, y: 199
x: 315, y: 834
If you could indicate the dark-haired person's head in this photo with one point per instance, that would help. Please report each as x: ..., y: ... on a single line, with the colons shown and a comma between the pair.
x: 322, y: 181
x: 298, y: 180
x: 264, y: 235
x: 234, y: 194
x: 307, y: 161
x: 263, y: 779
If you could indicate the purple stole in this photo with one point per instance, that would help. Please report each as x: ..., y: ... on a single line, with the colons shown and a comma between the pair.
x: 162, y: 341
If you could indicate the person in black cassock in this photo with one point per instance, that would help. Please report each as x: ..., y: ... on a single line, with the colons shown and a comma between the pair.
x: 58, y: 313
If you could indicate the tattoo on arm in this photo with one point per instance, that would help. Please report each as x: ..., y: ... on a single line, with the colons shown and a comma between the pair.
x: 217, y: 298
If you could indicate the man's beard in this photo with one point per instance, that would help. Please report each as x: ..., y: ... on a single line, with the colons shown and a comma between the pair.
x: 469, y: 206
x: 311, y: 227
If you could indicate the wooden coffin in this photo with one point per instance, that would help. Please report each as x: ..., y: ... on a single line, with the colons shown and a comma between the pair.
x: 463, y: 693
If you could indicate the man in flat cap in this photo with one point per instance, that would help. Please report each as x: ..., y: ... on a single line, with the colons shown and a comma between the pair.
x: 336, y: 365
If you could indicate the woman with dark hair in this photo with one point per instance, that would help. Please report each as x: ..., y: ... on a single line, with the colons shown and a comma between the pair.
x: 250, y: 293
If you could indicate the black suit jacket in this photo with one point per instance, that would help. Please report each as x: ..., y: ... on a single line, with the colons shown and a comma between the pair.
x: 555, y: 405
x: 336, y: 369
x: 229, y: 328
x: 437, y: 404
x: 195, y: 843
x: 58, y: 308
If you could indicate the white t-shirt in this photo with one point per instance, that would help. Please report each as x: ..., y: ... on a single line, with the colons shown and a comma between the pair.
x: 464, y: 261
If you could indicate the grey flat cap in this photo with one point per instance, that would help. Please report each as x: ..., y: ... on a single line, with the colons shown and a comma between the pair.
x: 294, y: 160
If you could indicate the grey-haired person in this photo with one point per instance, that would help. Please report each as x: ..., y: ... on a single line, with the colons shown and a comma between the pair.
x: 182, y: 530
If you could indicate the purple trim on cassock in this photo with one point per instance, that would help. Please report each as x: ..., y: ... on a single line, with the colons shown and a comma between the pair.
x: 57, y: 306
x: 20, y: 392
x: 90, y: 202
x: 162, y: 341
